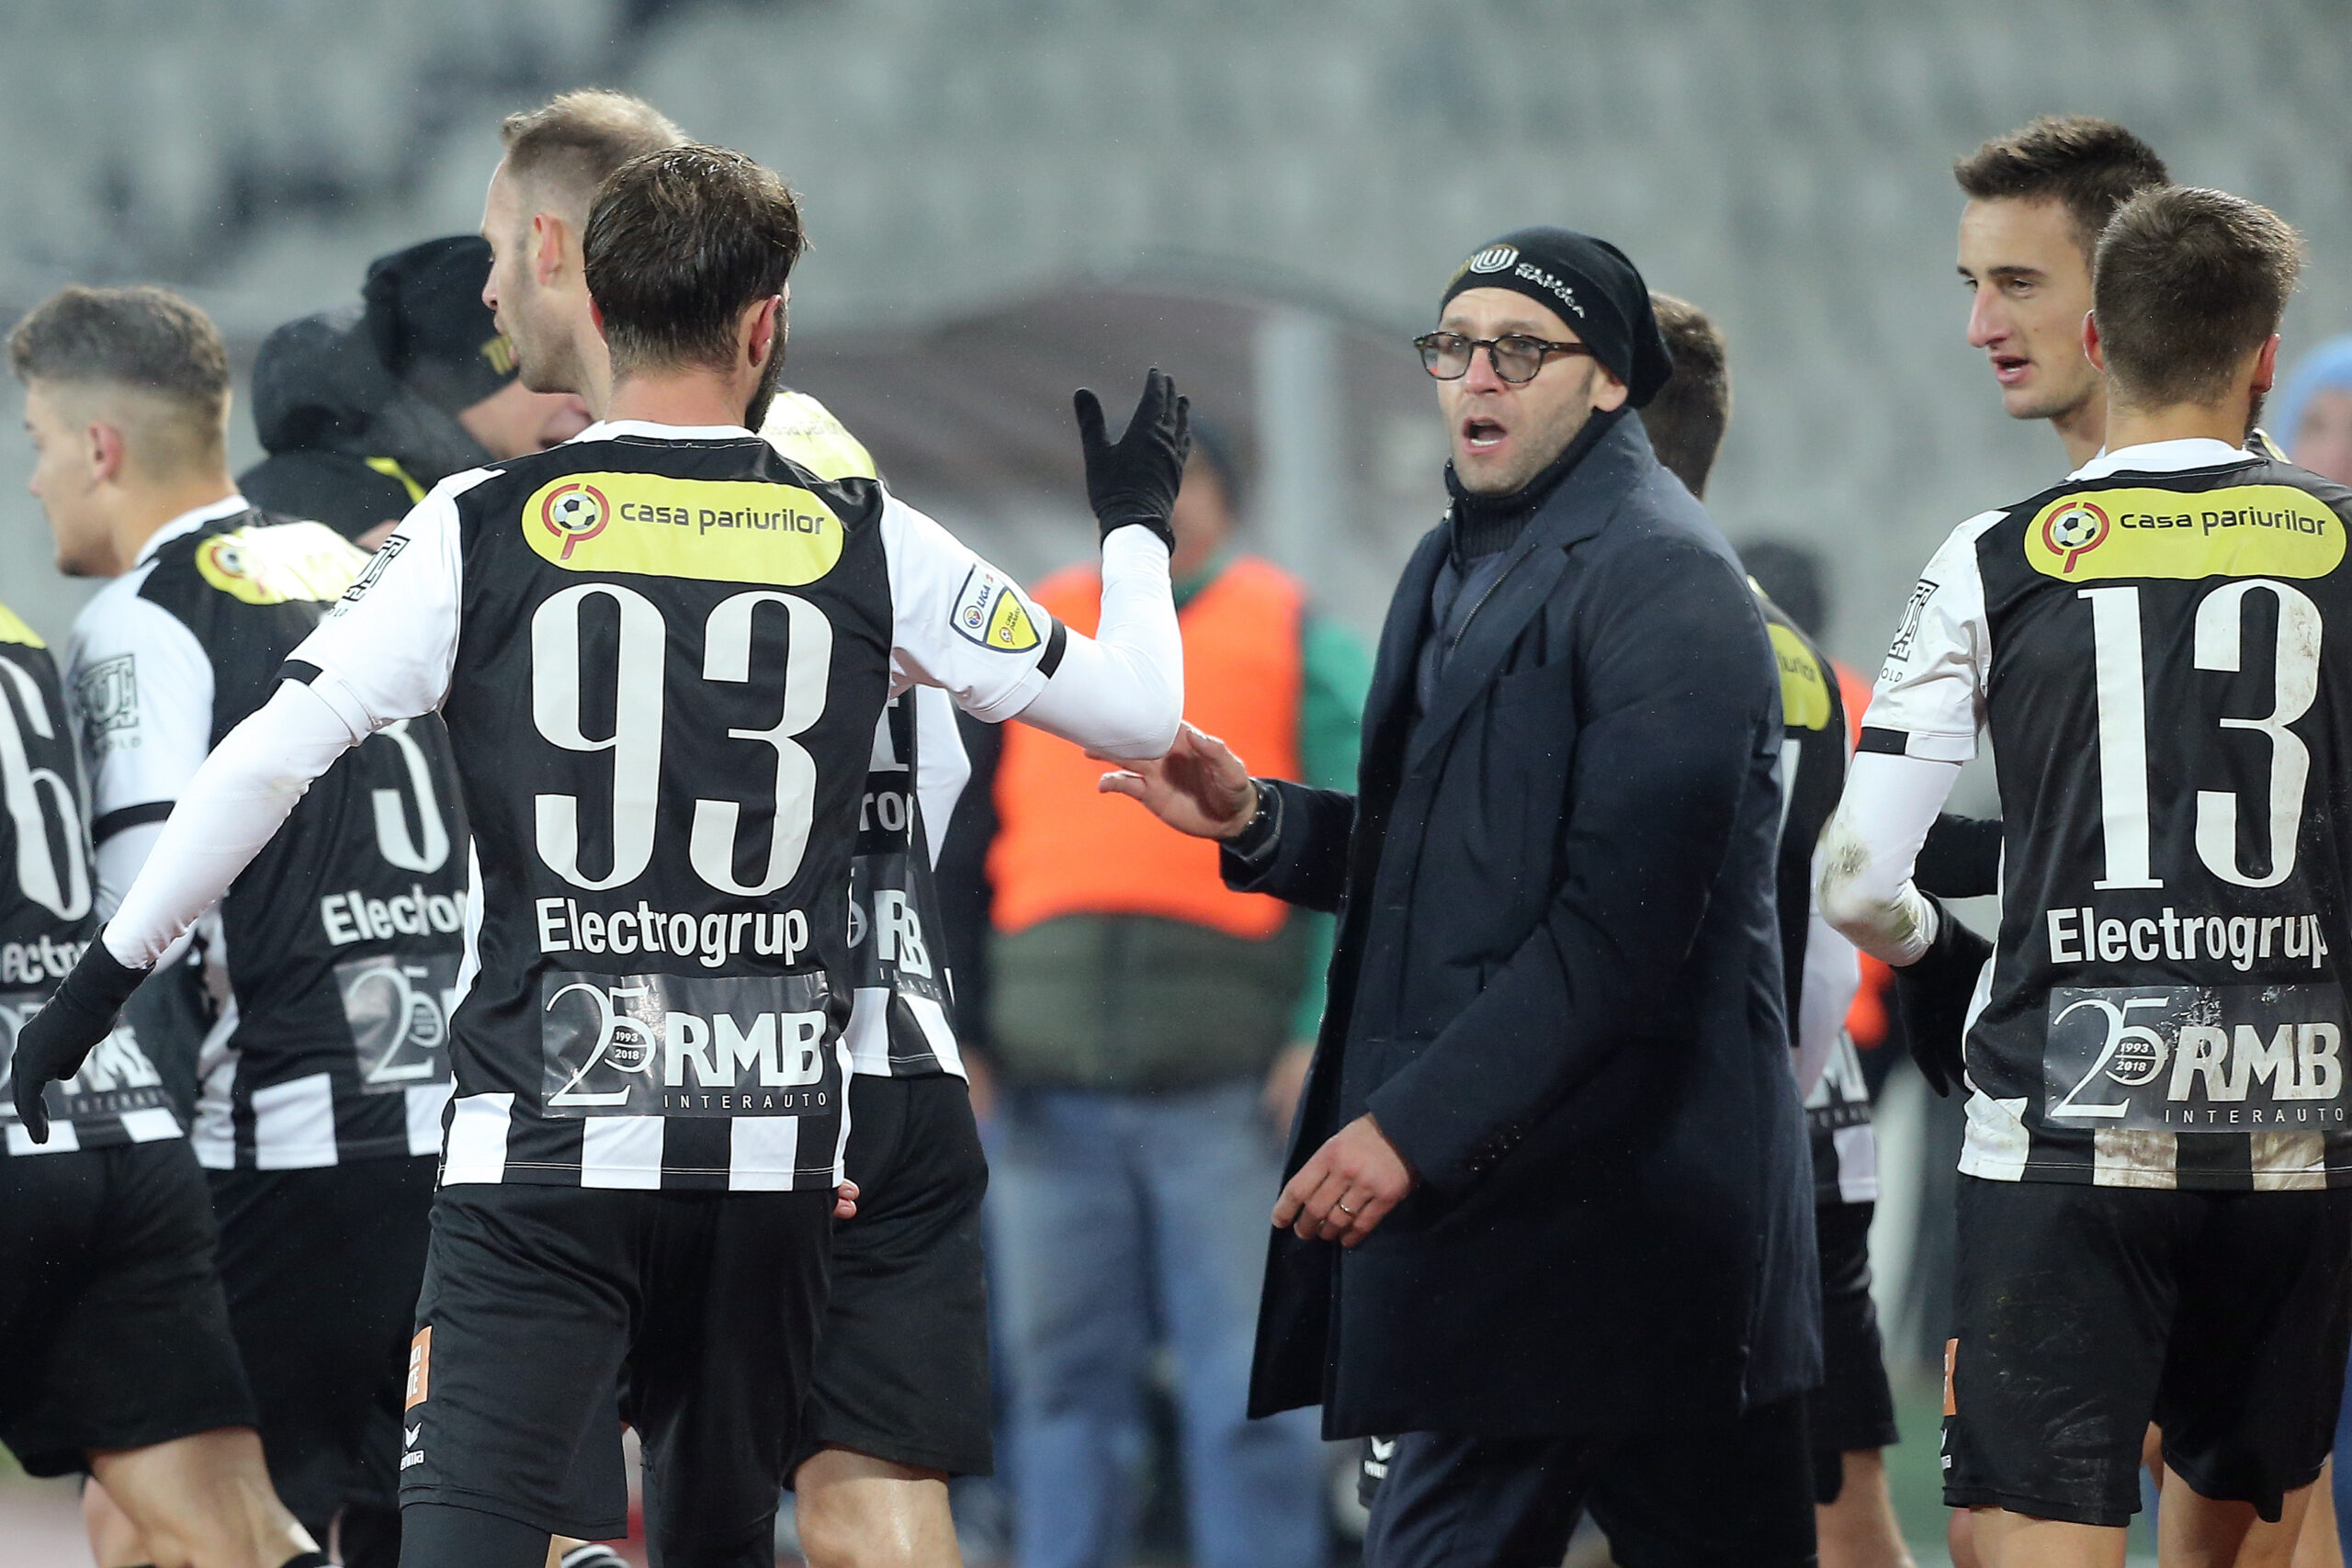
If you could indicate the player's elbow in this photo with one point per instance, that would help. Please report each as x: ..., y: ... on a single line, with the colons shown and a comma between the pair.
x: 1848, y: 903
x: 1152, y: 740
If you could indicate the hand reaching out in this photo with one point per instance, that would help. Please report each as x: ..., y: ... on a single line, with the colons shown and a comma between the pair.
x: 1200, y: 787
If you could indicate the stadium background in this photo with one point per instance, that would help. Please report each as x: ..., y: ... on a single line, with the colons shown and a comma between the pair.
x: 1008, y: 198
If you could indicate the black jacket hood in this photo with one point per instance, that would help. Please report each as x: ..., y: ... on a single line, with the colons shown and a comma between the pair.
x: 319, y: 385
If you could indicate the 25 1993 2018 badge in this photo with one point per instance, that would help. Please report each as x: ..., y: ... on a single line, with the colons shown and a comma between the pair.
x: 2197, y: 1058
x: 678, y: 1045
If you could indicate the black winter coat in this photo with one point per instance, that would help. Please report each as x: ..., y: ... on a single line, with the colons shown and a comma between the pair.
x: 1558, y: 985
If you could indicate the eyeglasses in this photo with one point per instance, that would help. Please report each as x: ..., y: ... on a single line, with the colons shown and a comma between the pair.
x: 1517, y: 358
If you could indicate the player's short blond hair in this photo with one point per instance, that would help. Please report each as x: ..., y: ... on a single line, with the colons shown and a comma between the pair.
x: 144, y: 341
x: 570, y: 144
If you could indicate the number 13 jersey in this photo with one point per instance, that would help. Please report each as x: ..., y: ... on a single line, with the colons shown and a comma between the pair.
x: 2161, y: 652
x: 663, y: 654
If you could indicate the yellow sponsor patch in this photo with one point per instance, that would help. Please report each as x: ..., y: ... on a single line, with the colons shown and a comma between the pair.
x: 1805, y: 690
x: 279, y: 564
x: 990, y: 612
x: 2240, y: 531
x: 718, y: 530
x: 12, y: 629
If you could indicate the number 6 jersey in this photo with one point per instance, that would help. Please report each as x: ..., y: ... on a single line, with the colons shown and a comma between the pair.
x: 2161, y: 652
x: 337, y: 949
x: 663, y: 654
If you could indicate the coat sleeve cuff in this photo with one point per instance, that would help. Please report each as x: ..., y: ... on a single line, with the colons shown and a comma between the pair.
x: 1430, y: 1139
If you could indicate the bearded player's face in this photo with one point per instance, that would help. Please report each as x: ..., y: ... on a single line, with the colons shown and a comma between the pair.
x: 539, y: 320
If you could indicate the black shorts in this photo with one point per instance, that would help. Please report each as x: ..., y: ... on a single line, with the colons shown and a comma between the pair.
x: 552, y: 1314
x: 2086, y: 1312
x: 1854, y: 1406
x: 115, y: 1330
x: 902, y: 1370
x: 322, y: 1269
x: 1739, y: 1495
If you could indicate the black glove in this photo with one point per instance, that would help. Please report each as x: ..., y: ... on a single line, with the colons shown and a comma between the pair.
x: 1933, y: 996
x: 1136, y: 480
x: 56, y: 1041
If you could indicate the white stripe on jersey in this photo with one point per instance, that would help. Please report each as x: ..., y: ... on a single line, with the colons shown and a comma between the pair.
x: 1857, y: 1163
x: 2289, y: 1162
x: 1998, y: 1144
x: 476, y: 1149
x: 762, y: 1154
x: 620, y: 1150
x: 294, y: 1124
x: 425, y: 1103
x: 2127, y: 1157
x: 63, y: 1138
x: 152, y: 1126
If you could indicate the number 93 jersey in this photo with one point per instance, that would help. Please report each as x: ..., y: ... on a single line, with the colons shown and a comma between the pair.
x: 2161, y: 652
x: 663, y: 654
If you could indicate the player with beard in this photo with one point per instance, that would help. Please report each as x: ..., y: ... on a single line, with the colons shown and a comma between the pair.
x: 901, y: 1400
x: 662, y: 650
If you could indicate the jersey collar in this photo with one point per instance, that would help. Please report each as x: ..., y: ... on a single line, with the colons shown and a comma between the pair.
x: 2163, y: 457
x: 613, y: 429
x: 189, y: 522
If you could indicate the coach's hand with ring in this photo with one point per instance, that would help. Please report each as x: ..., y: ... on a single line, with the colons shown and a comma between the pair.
x: 1347, y: 1188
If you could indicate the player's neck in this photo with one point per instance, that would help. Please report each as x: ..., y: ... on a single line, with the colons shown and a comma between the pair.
x: 2082, y: 429
x: 2224, y: 422
x: 692, y: 397
x: 149, y: 507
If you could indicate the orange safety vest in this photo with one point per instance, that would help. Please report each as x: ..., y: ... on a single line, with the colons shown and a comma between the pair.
x: 1866, y: 1019
x: 1063, y: 847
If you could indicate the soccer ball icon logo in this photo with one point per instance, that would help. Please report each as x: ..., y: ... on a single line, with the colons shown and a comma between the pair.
x: 2073, y: 528
x: 575, y: 513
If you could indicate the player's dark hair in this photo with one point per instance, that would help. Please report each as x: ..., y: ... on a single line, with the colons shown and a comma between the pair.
x: 680, y: 244
x: 1687, y: 418
x: 572, y: 143
x: 2188, y: 283
x: 146, y: 339
x: 2092, y: 165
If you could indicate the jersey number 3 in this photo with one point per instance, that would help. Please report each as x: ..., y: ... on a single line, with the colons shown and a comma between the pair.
x: 2123, y: 730
x: 635, y: 742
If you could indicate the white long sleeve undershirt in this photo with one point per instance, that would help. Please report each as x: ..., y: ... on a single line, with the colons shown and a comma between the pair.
x: 1874, y: 842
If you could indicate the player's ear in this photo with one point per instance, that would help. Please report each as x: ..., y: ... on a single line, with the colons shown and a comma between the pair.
x: 2266, y: 366
x: 549, y: 235
x: 107, y: 452
x: 764, y: 334
x: 2091, y: 350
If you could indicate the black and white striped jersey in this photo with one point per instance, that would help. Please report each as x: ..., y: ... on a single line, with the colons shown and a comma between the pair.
x: 2160, y: 650
x: 333, y: 957
x: 48, y: 914
x: 901, y: 1026
x: 663, y: 654
x: 900, y: 1023
x: 1820, y: 966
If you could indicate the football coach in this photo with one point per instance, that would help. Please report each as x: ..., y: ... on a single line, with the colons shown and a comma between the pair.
x: 1548, y: 1191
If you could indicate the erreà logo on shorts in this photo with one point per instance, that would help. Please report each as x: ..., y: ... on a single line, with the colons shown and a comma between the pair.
x: 2197, y: 1058
x: 681, y: 1046
x: 718, y: 530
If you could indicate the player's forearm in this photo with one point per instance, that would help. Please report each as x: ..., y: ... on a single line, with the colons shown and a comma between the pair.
x: 1866, y: 890
x: 1831, y: 978
x: 233, y: 805
x: 1121, y: 692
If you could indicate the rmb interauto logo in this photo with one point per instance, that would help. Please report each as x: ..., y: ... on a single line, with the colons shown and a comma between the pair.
x: 650, y: 524
x: 2236, y: 531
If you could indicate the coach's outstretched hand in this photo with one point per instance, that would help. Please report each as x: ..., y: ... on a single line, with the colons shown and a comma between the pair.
x: 1135, y: 480
x: 1933, y: 995
x: 1200, y: 787
x: 54, y: 1042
